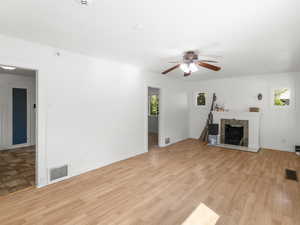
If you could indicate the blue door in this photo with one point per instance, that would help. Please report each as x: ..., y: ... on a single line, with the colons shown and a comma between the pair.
x: 19, y: 116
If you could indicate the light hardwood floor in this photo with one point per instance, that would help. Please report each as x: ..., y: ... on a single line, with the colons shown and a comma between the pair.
x: 164, y: 187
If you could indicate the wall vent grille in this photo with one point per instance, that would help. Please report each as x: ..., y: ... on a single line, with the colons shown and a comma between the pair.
x: 59, y: 172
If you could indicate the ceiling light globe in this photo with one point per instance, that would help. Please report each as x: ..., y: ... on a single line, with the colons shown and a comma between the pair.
x: 185, y: 68
x: 193, y: 67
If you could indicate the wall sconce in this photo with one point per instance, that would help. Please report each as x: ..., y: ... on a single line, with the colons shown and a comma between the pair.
x: 259, y: 96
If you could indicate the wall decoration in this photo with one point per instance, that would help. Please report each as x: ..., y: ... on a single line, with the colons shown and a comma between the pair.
x: 259, y: 96
x: 220, y: 108
x: 282, y: 96
x: 201, y: 99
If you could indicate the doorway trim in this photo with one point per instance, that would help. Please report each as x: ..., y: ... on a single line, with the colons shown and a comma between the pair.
x: 159, y: 116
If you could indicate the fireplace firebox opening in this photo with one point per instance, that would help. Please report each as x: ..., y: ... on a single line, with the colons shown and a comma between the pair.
x: 234, y: 135
x: 234, y: 132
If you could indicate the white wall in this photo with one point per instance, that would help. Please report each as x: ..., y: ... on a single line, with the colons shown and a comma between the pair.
x: 278, y: 126
x: 173, y: 119
x: 92, y: 112
x: 7, y: 83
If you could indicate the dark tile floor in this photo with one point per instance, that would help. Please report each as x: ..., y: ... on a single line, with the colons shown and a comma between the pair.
x: 17, y: 169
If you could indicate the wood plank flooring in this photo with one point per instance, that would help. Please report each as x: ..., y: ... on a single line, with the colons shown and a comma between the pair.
x: 17, y: 169
x: 165, y: 187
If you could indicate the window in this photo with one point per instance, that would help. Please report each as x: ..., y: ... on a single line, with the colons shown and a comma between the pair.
x: 154, y: 105
x: 282, y: 97
x: 201, y: 99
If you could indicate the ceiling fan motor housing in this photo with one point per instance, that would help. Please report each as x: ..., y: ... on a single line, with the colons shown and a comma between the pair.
x: 190, y: 56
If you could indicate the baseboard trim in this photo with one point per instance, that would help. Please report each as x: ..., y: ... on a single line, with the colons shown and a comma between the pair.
x: 3, y: 148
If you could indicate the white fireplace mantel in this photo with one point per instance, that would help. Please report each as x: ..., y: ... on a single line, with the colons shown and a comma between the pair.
x: 254, y: 128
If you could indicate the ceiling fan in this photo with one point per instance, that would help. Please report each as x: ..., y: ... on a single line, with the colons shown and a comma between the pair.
x: 190, y: 62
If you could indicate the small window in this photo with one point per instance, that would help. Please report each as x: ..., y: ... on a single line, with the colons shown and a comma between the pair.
x: 201, y: 99
x: 282, y: 97
x: 154, y: 105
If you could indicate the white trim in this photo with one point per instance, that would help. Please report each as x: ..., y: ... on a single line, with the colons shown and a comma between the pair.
x: 237, y: 147
x: 38, y: 149
x: 15, y: 146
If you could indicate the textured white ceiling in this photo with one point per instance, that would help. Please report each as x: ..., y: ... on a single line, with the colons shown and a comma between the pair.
x: 252, y: 37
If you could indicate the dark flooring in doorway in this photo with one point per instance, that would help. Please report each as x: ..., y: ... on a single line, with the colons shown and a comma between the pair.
x: 152, y: 141
x: 17, y: 169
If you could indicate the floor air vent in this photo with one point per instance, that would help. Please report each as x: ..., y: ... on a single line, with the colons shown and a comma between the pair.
x: 59, y: 172
x: 291, y: 174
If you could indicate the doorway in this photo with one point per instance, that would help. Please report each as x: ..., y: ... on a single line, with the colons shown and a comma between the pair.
x: 17, y: 129
x: 153, y: 118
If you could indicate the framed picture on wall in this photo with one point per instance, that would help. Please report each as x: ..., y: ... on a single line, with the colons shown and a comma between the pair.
x: 281, y: 97
x: 201, y: 99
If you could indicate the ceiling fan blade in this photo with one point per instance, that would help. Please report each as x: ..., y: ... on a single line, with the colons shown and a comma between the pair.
x: 210, y: 61
x: 187, y: 74
x: 175, y: 62
x: 211, y: 56
x: 209, y: 66
x: 169, y: 70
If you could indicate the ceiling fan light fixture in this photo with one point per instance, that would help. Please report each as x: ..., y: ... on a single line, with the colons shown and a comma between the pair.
x: 191, y: 64
x: 185, y: 67
x: 193, y: 67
